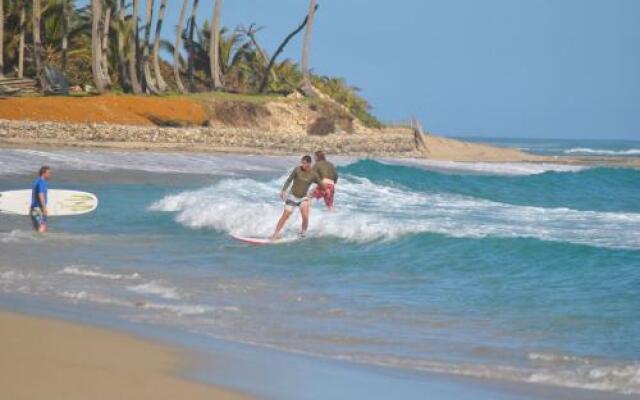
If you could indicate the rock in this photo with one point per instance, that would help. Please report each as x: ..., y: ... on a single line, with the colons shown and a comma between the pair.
x: 398, y: 144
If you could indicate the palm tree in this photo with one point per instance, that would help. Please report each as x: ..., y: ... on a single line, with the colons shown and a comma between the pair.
x: 148, y: 79
x: 307, y: 88
x: 104, y: 46
x: 122, y: 32
x: 133, y: 50
x: 1, y: 39
x: 96, y: 45
x: 162, y: 85
x: 214, y: 45
x: 192, y: 26
x: 65, y: 32
x: 280, y: 49
x: 37, y: 45
x: 23, y: 22
x: 176, y: 48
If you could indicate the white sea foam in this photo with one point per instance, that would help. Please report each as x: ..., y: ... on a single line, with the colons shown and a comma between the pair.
x: 17, y: 236
x: 95, y: 273
x: 83, y: 295
x: 555, y: 358
x: 22, y: 161
x: 367, y: 211
x: 183, y: 309
x: 621, y: 378
x: 604, y: 152
x: 490, y: 168
x: 11, y: 276
x: 19, y: 161
x: 157, y: 289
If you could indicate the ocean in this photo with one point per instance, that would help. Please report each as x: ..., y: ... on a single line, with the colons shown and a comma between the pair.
x: 507, y: 272
x: 566, y: 147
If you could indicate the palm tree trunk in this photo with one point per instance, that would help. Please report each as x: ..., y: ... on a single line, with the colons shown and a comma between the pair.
x: 65, y: 33
x: 96, y: 47
x: 280, y: 49
x: 23, y: 21
x: 307, y: 89
x: 37, y: 45
x: 133, y: 50
x: 122, y: 63
x: 214, y: 46
x: 146, y: 70
x: 176, y: 48
x: 104, y: 47
x: 192, y: 26
x: 1, y: 39
x: 162, y: 85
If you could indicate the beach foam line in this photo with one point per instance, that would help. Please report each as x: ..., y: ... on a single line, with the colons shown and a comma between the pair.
x: 488, y: 168
x: 20, y: 161
x: 604, y: 152
x: 179, y: 309
x: 621, y: 377
x: 85, y: 271
x: 367, y: 212
x: 156, y: 288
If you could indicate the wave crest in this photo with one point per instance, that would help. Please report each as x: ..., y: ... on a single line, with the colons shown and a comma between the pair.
x: 604, y: 152
x: 367, y: 211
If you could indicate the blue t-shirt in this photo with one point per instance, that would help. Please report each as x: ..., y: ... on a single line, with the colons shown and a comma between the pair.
x: 39, y: 186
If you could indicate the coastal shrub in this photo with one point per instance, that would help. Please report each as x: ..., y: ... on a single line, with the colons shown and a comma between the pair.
x: 347, y: 96
x: 322, y: 126
x: 237, y: 113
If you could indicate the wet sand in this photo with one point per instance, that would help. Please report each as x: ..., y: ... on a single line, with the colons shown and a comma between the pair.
x: 48, y: 359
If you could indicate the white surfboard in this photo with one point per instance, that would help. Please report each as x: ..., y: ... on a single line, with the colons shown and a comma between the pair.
x: 262, y: 242
x: 60, y: 202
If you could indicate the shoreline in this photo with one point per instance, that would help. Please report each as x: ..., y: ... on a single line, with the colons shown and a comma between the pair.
x: 75, y: 361
x: 217, y: 365
x: 396, y: 143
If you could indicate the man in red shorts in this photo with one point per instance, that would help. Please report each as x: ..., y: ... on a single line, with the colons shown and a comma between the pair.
x: 328, y: 175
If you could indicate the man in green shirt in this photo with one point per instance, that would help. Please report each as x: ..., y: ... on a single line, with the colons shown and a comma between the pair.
x: 328, y: 175
x: 302, y: 178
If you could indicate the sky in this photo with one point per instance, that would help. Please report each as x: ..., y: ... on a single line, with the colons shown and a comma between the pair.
x: 490, y: 68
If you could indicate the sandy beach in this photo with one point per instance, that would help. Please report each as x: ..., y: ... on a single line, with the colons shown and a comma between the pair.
x: 432, y: 200
x: 49, y: 359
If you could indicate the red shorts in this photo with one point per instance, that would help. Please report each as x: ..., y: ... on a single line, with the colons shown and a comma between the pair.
x: 326, y: 194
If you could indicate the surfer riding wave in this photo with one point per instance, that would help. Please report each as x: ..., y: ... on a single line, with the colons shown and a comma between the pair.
x: 300, y: 180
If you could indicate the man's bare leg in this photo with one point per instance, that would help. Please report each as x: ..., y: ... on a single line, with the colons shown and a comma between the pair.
x: 283, y: 220
x: 304, y: 212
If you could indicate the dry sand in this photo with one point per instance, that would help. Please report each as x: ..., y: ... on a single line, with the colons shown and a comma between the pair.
x: 48, y: 359
x: 441, y: 148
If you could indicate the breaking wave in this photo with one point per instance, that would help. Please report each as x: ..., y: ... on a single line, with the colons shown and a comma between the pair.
x: 367, y: 212
x: 604, y: 152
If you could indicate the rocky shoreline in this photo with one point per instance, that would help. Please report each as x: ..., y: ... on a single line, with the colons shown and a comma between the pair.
x: 395, y: 143
x: 400, y: 143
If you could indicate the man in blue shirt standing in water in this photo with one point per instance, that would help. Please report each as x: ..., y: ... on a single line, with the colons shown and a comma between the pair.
x: 39, y: 195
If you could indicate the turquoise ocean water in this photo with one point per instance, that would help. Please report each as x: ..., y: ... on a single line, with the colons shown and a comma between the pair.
x: 514, y: 272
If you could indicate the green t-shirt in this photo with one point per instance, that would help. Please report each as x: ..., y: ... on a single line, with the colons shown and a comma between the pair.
x: 302, y: 181
x: 324, y: 169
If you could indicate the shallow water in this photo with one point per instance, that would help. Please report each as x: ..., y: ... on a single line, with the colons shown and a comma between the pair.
x: 520, y: 272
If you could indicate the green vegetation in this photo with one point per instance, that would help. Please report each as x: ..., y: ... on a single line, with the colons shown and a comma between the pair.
x: 97, y: 46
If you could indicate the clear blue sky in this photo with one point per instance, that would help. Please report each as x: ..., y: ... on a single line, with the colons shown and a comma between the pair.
x: 520, y: 68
